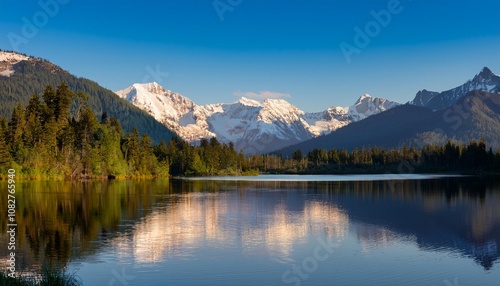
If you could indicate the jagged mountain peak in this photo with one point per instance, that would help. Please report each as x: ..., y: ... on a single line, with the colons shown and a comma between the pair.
x: 367, y: 105
x: 159, y: 102
x: 279, y: 104
x: 485, y: 80
x: 152, y: 87
x: 486, y: 75
x: 485, y: 72
x: 364, y: 97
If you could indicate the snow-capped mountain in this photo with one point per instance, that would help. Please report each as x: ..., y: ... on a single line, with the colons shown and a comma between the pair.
x: 335, y: 117
x: 7, y: 62
x: 253, y: 126
x: 486, y: 80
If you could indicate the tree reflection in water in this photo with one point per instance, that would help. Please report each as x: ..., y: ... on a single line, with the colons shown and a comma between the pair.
x: 153, y: 220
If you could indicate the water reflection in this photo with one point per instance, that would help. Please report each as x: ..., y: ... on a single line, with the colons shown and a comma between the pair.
x: 255, y: 221
x: 449, y: 215
x: 59, y: 221
x: 153, y: 221
x: 372, y: 236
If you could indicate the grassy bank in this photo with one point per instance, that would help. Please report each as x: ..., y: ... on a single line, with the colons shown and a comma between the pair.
x: 47, y: 278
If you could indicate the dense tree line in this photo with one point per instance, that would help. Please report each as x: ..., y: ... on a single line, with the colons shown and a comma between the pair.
x: 45, y: 140
x: 451, y: 157
x: 207, y: 159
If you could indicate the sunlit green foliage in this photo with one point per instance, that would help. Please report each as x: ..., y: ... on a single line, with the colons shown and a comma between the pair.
x: 44, y: 140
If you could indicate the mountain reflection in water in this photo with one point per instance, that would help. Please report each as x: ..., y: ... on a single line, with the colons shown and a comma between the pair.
x: 153, y: 221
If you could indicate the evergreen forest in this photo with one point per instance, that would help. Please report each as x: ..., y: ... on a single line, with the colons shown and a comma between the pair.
x: 44, y: 140
x: 473, y: 158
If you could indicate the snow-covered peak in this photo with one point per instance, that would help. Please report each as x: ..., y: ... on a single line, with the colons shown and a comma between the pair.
x: 278, y: 104
x: 12, y: 57
x: 7, y: 62
x: 152, y: 87
x: 249, y: 102
x: 362, y: 98
x: 159, y: 102
x: 367, y: 106
x: 338, y: 116
x: 275, y: 101
x: 279, y: 110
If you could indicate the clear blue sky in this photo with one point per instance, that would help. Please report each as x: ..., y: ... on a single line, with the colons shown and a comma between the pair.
x: 289, y: 48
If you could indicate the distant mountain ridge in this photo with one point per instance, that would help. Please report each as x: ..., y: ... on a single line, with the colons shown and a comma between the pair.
x: 253, y: 126
x: 21, y: 76
x: 486, y: 80
x: 417, y: 126
x: 468, y: 112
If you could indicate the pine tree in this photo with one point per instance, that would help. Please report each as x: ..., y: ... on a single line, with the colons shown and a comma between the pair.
x: 62, y: 104
x: 297, y: 155
x: 196, y: 165
x: 131, y: 149
x: 85, y: 127
x: 104, y: 118
x: 15, y: 133
x: 334, y: 156
x: 160, y: 151
x: 34, y: 129
x: 50, y: 98
x: 112, y: 161
x: 5, y: 158
x: 16, y: 125
x: 115, y: 124
x: 147, y: 164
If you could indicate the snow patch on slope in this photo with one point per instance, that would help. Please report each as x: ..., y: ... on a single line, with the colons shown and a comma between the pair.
x: 7, y: 62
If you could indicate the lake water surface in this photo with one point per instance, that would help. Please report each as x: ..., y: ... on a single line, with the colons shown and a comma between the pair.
x: 266, y: 230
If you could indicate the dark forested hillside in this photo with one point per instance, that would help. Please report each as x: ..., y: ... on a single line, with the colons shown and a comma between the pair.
x: 33, y: 75
x: 475, y: 116
x: 387, y: 129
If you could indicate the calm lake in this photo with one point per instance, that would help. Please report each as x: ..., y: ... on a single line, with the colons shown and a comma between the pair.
x: 266, y: 230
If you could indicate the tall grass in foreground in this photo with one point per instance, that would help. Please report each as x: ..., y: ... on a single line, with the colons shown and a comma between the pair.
x: 49, y: 277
